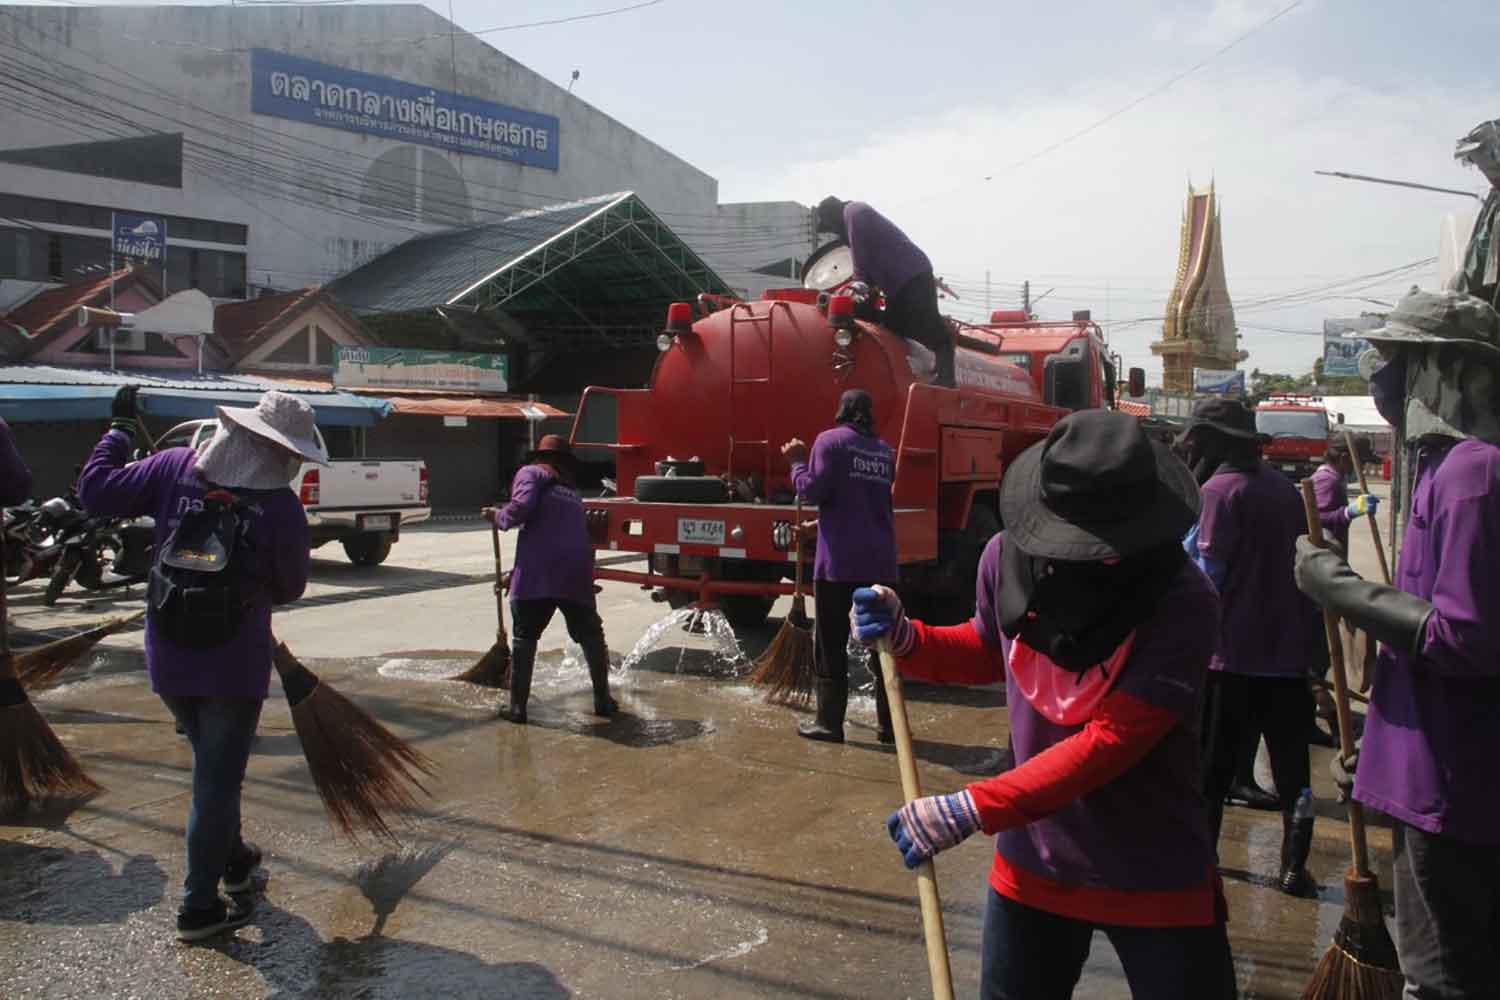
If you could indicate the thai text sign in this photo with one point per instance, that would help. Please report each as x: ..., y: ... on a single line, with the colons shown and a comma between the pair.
x: 403, y: 368
x: 139, y: 237
x: 1219, y: 382
x: 291, y: 87
x: 1341, y: 353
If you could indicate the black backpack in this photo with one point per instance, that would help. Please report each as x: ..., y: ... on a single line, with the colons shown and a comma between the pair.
x: 197, y: 593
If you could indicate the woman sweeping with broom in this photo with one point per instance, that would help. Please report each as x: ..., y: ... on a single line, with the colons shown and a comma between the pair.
x: 208, y: 651
x: 1089, y: 609
x: 554, y: 570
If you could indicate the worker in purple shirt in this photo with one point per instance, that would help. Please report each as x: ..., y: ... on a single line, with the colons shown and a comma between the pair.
x: 848, y: 476
x: 216, y: 692
x: 886, y: 257
x: 554, y: 570
x: 1331, y: 485
x: 1431, y: 740
x: 15, y: 477
x: 1269, y: 636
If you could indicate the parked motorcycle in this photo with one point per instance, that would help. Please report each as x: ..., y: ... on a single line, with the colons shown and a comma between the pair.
x: 102, y: 553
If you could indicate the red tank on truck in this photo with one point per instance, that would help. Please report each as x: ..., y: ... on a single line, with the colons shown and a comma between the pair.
x: 705, y: 493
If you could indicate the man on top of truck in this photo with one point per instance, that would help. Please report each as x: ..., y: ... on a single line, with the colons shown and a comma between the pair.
x: 887, y: 258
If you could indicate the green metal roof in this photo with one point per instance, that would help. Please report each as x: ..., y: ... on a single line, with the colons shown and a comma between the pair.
x: 606, y: 265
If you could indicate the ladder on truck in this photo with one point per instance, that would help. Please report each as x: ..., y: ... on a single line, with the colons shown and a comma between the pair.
x: 742, y: 314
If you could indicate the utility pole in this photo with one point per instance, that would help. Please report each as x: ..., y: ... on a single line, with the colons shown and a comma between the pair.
x: 1026, y: 298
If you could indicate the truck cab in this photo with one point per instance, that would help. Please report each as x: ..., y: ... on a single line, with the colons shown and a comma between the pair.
x: 1298, y: 428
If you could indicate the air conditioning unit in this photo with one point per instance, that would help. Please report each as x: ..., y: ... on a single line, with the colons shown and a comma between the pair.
x: 124, y: 340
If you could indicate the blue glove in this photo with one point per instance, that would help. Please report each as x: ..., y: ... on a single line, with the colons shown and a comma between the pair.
x: 877, y: 612
x: 925, y: 826
x: 1365, y: 503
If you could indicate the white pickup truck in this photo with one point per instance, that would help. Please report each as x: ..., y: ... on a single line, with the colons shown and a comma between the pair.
x: 360, y: 502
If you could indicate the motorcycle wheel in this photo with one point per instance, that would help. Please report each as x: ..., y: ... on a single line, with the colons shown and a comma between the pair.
x: 61, y: 577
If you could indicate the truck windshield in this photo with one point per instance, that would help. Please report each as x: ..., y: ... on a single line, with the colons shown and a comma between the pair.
x: 1292, y: 423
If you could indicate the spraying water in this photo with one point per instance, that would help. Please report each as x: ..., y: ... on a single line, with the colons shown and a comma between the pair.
x: 710, y: 623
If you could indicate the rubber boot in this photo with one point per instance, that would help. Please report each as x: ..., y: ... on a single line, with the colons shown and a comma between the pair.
x: 597, y: 655
x: 884, y: 733
x: 1296, y: 845
x: 833, y: 700
x: 522, y: 662
x: 1250, y: 795
x: 946, y: 374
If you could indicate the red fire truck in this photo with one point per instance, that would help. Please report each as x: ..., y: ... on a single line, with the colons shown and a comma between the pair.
x: 705, y: 492
x: 1298, y: 428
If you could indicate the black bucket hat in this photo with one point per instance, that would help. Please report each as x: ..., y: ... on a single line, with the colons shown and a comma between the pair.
x: 1096, y: 488
x: 1227, y: 416
x: 553, y: 446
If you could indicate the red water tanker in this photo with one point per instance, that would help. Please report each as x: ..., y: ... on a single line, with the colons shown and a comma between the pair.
x: 705, y: 492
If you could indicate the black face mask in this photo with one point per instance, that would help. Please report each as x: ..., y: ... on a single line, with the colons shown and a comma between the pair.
x: 1078, y: 613
x: 1388, y: 390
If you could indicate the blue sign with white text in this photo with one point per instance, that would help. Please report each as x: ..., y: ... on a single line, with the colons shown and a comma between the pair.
x: 140, y: 237
x: 302, y: 90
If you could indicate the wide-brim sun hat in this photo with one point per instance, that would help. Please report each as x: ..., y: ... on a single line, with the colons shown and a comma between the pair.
x: 1097, y: 488
x: 1227, y: 416
x: 282, y: 419
x: 553, y: 446
x: 1439, y: 318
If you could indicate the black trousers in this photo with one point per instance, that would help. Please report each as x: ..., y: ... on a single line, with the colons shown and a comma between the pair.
x: 1030, y: 954
x: 831, y: 603
x: 1447, y: 915
x: 1237, y: 709
x: 530, y: 618
x: 912, y: 312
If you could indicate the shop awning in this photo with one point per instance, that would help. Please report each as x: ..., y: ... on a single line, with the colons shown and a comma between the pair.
x: 42, y: 393
x: 473, y: 406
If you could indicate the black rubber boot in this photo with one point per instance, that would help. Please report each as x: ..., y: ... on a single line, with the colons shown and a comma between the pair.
x: 597, y: 656
x: 1252, y: 796
x: 522, y: 662
x: 884, y: 733
x: 833, y: 700
x: 1296, y: 845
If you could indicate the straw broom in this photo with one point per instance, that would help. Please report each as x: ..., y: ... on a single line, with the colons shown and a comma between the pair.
x: 786, y: 667
x: 34, y: 764
x: 927, y: 888
x: 493, y: 668
x: 1361, y: 963
x: 359, y: 767
x: 39, y: 666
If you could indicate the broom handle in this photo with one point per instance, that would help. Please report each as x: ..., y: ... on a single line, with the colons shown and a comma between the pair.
x: 927, y: 887
x: 499, y: 576
x: 4, y: 610
x: 797, y: 548
x: 1357, y: 845
x: 1364, y: 487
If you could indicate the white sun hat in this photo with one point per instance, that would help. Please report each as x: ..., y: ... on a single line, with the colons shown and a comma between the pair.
x: 283, y: 419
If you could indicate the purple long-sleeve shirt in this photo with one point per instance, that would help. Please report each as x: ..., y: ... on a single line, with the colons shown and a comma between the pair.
x: 1332, y: 493
x: 1249, y: 526
x: 554, y: 557
x: 15, y: 477
x: 883, y: 255
x: 166, y: 486
x: 848, y: 477
x: 1431, y: 741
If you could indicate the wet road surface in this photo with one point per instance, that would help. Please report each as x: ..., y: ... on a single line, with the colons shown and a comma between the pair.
x: 691, y: 847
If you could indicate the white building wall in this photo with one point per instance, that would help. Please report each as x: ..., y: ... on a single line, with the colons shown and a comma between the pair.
x: 298, y: 186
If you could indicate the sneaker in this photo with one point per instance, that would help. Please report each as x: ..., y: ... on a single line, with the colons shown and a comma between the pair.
x: 239, y: 873
x: 819, y: 732
x: 1252, y: 796
x: 195, y: 925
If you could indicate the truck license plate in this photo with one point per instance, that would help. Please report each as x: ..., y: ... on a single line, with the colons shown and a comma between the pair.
x: 375, y: 522
x: 696, y: 531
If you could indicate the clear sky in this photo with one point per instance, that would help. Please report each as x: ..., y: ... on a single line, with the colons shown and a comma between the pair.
x: 961, y: 120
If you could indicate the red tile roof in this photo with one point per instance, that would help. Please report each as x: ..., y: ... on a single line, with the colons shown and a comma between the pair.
x: 55, y: 309
x: 239, y: 326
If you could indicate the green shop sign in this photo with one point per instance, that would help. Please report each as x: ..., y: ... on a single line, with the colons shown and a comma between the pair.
x: 401, y: 368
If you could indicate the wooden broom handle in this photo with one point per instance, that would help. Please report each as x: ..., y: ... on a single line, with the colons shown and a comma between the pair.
x: 499, y: 578
x: 927, y: 887
x: 1364, y: 487
x: 797, y: 547
x: 1358, y: 847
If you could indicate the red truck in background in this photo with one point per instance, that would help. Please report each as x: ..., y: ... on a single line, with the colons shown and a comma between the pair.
x: 1298, y: 428
x: 705, y: 492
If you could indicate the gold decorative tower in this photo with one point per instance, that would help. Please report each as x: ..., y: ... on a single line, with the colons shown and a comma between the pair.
x: 1198, y: 330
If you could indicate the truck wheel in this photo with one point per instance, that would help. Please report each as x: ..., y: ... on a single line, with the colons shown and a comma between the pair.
x: 368, y: 549
x: 681, y: 489
x: 746, y: 610
x: 959, y: 553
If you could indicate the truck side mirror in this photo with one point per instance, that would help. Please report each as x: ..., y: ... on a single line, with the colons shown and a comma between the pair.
x: 1137, y: 383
